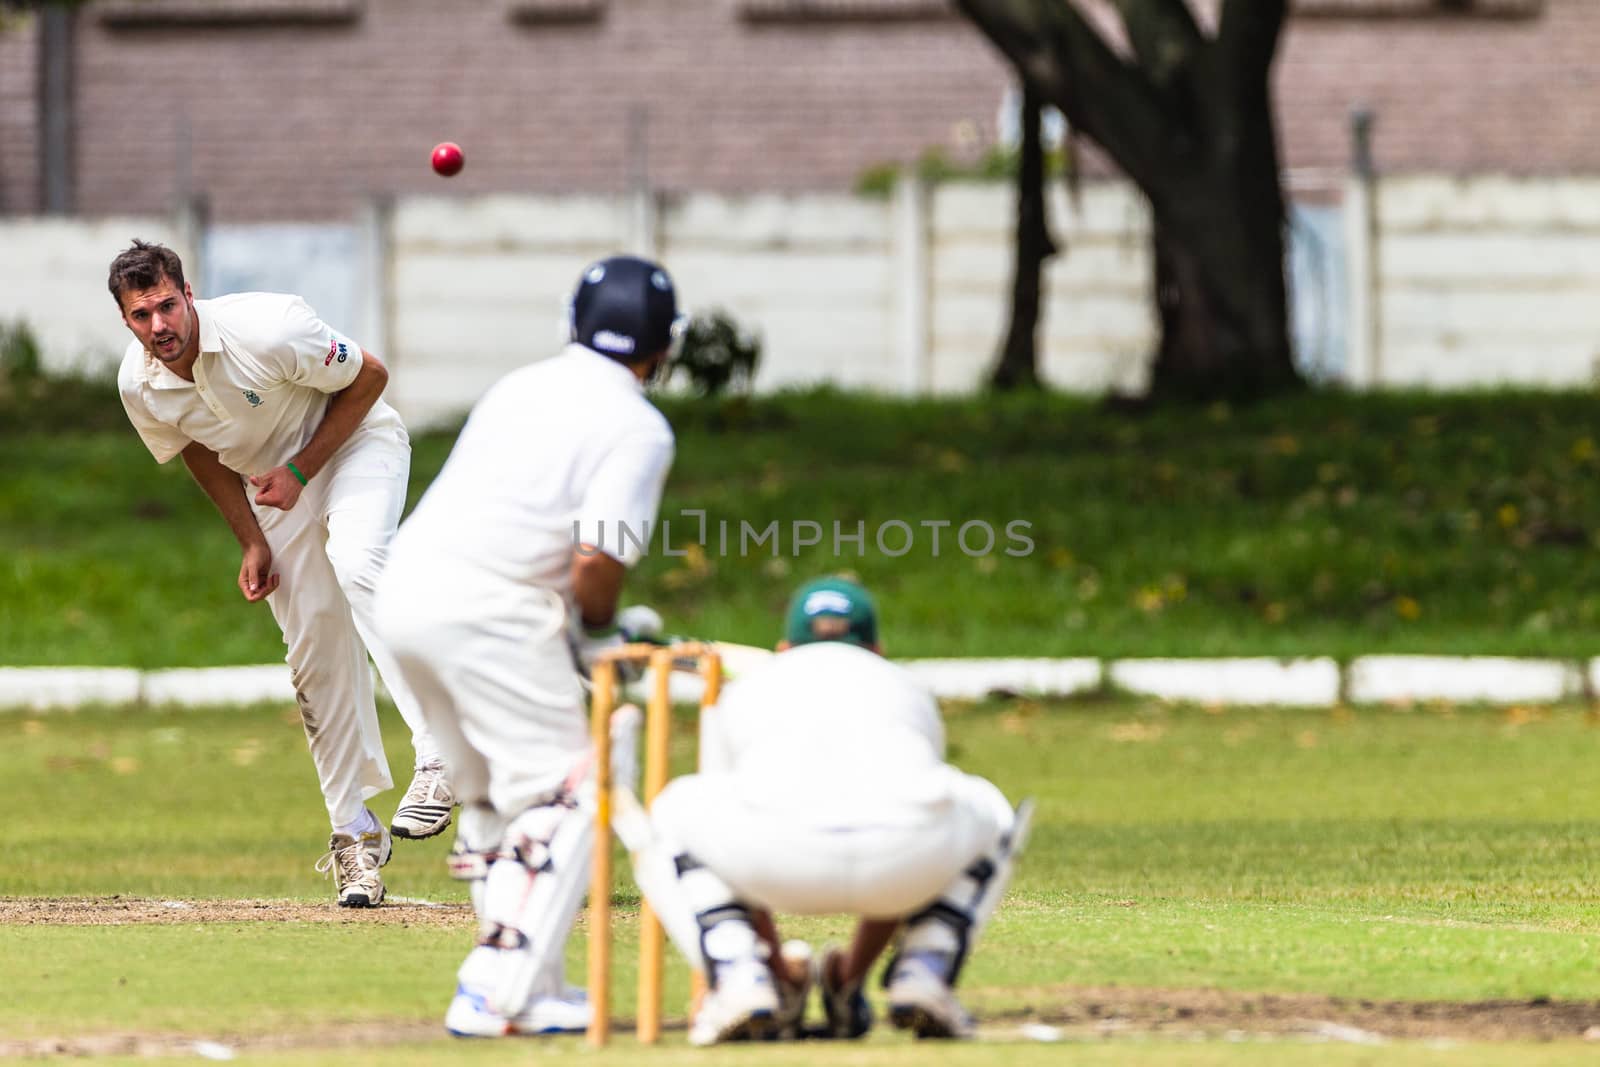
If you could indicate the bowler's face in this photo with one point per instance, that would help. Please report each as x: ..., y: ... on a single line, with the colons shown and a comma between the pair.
x: 162, y: 318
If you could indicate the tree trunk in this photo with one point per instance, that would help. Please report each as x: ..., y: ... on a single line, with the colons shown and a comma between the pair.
x: 1225, y: 334
x: 1018, y: 364
x: 1189, y: 119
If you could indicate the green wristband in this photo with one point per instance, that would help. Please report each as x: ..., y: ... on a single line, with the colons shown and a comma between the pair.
x: 301, y: 478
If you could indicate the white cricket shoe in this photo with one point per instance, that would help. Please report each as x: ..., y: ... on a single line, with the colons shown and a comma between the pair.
x: 425, y: 809
x: 566, y: 1014
x: 924, y: 1003
x: 354, y: 863
x: 554, y: 1008
x: 469, y: 1015
x: 743, y: 1006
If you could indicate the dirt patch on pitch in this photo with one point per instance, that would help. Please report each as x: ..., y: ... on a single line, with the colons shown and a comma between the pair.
x: 1071, y: 1014
x: 1057, y: 1012
x: 1078, y: 1012
x: 125, y: 911
x: 351, y: 1035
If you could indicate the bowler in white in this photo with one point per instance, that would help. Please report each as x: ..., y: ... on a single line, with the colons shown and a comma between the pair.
x: 280, y: 420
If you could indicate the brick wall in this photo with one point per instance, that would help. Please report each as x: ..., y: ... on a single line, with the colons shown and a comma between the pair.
x: 297, y: 120
x: 19, y: 116
x: 1463, y: 94
x: 298, y: 117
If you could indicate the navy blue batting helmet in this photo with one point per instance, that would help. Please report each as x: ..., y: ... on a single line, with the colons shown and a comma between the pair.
x: 625, y: 307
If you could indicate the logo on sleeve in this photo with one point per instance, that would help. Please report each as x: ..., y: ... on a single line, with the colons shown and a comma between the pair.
x: 336, y: 350
x: 250, y: 395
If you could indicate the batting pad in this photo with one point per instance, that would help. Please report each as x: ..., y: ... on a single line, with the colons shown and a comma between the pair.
x: 533, y: 893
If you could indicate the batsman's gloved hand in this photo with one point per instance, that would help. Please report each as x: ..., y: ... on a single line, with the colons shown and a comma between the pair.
x: 633, y: 625
x: 590, y: 642
x: 641, y: 623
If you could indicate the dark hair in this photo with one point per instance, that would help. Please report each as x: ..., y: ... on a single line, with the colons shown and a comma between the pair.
x: 142, y: 267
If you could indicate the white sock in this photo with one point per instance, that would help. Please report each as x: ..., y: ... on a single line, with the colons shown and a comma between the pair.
x: 366, y: 824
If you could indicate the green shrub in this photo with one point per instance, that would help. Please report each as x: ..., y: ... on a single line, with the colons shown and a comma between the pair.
x: 718, y: 354
x: 21, y: 363
x: 36, y: 400
x: 935, y: 166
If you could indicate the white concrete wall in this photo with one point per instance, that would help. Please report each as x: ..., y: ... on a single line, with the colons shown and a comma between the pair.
x: 477, y: 289
x: 822, y: 278
x: 813, y: 274
x: 1098, y: 330
x: 53, y: 277
x: 1488, y: 280
x: 1478, y: 281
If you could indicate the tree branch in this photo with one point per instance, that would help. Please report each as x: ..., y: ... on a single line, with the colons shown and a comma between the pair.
x: 1164, y: 37
x: 1056, y: 49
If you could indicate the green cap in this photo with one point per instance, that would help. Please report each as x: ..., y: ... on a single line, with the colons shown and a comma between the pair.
x: 831, y: 609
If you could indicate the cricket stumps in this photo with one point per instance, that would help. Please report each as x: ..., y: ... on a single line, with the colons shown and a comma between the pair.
x: 663, y: 660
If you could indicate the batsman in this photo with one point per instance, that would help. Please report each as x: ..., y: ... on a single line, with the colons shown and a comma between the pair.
x: 823, y: 790
x: 515, y: 556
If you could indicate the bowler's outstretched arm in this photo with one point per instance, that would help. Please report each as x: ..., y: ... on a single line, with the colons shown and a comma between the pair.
x: 222, y: 485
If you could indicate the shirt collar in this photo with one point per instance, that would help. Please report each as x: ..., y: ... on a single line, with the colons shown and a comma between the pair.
x: 605, y: 365
x: 210, y: 336
x: 161, y: 376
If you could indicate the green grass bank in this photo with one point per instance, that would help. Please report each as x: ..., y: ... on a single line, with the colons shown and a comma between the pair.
x: 1319, y: 524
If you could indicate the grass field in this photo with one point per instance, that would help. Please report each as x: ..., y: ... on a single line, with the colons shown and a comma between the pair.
x: 1203, y: 886
x: 1320, y: 524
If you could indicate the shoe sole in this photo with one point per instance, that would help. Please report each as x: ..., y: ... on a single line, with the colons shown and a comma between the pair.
x: 405, y: 834
x: 920, y: 1021
x: 761, y: 1026
x: 360, y: 900
x: 758, y: 1026
x: 408, y: 834
x: 545, y: 1031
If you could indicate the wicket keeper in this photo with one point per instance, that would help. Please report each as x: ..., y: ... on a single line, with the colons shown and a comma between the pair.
x: 823, y: 790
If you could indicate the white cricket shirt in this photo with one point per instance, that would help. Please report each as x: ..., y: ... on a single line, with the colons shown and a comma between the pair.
x: 261, y: 385
x: 825, y: 729
x: 561, y: 452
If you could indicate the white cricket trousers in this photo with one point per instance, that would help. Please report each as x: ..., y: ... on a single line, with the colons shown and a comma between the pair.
x: 771, y: 855
x: 488, y: 657
x: 328, y: 551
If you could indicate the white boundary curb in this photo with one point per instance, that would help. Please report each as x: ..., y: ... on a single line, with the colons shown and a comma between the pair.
x: 1487, y: 679
x: 1308, y: 682
x: 1300, y: 682
x: 53, y: 687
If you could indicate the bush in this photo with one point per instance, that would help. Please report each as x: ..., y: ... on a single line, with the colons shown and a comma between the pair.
x: 717, y: 354
x: 35, y: 400
x: 935, y: 166
x: 21, y: 363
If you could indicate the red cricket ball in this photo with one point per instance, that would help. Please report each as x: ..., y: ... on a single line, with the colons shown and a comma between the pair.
x: 447, y: 159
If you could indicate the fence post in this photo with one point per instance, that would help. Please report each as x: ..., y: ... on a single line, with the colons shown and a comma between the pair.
x: 1361, y: 258
x: 909, y: 253
x: 374, y: 236
x: 57, y: 91
x: 642, y: 212
x: 191, y: 217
